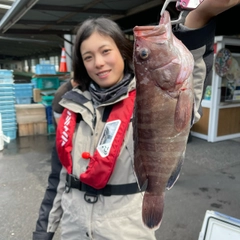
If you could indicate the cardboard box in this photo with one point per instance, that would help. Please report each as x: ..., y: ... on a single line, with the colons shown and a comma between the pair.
x: 29, y: 129
x: 37, y: 95
x: 30, y: 113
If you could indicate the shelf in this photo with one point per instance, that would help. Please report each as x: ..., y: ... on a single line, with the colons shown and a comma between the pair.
x: 220, y: 120
x: 229, y: 104
x: 206, y: 103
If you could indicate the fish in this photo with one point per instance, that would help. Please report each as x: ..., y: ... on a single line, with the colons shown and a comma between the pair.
x: 163, y: 68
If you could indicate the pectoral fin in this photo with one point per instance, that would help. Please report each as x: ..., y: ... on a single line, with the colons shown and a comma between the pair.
x: 176, y: 173
x: 183, y: 111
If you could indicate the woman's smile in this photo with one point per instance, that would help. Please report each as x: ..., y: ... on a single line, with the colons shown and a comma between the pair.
x: 103, y: 74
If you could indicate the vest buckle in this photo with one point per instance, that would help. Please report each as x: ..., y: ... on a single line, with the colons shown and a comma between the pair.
x: 68, y: 183
x: 90, y: 197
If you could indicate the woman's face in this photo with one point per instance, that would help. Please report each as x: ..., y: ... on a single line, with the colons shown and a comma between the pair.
x: 102, y: 60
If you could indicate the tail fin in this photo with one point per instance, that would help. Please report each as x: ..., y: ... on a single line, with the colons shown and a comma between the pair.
x: 152, y: 210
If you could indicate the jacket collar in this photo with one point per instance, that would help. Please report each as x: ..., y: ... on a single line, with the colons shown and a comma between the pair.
x: 103, y: 96
x: 77, y: 100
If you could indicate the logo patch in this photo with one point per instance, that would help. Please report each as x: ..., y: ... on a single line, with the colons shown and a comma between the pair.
x: 109, y: 132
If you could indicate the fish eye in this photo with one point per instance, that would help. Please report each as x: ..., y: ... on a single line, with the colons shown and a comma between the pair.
x: 144, y: 53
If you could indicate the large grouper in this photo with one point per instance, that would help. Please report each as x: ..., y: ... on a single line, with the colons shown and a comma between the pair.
x: 163, y: 110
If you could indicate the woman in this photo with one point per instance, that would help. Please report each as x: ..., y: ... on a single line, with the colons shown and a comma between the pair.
x: 103, y: 70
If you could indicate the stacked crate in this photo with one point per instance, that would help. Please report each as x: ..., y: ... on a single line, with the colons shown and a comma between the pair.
x: 46, y: 77
x: 23, y: 93
x: 49, y: 116
x: 31, y: 119
x: 46, y: 82
x: 7, y: 101
x: 45, y: 68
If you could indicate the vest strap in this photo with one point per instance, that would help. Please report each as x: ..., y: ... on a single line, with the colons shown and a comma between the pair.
x: 108, y: 190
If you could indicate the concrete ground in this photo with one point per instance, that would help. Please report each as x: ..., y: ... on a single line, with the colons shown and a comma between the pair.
x: 209, y: 180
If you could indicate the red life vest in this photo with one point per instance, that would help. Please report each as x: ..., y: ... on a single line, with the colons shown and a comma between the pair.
x: 102, y: 162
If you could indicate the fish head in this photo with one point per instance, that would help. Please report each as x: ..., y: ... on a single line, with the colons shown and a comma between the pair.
x: 157, y: 56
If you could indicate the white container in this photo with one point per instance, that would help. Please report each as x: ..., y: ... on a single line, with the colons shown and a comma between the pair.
x: 218, y: 226
x: 2, y: 136
x: 1, y: 141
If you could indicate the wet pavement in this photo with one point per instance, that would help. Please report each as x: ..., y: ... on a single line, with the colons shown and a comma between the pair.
x: 209, y: 180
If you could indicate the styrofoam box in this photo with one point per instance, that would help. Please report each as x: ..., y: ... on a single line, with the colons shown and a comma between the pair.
x: 30, y: 113
x: 218, y: 226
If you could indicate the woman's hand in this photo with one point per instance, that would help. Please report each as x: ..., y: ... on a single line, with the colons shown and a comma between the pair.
x: 206, y: 10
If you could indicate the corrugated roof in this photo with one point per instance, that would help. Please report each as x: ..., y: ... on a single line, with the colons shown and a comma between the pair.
x: 32, y: 28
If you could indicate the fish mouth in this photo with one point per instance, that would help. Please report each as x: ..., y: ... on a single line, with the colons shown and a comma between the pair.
x: 143, y: 28
x: 150, y: 32
x: 158, y: 33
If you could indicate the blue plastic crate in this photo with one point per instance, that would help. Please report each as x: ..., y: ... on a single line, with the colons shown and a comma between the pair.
x: 5, y: 105
x: 8, y: 113
x: 7, y: 94
x: 51, y: 128
x: 12, y: 124
x: 23, y: 90
x: 6, y: 73
x: 10, y: 132
x: 47, y: 100
x: 9, y: 88
x: 49, y: 114
x: 4, y: 99
x: 23, y: 100
x: 6, y: 80
x: 45, y: 69
x: 45, y: 83
x: 6, y: 76
x: 9, y: 120
x: 6, y: 85
x: 6, y: 91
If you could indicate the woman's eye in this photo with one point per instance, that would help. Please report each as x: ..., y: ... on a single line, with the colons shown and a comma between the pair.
x: 144, y: 53
x: 106, y: 50
x: 87, y: 58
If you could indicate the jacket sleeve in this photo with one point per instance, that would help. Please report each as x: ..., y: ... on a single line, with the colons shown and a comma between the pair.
x: 57, y: 109
x: 50, y: 211
x: 67, y: 86
x: 200, y: 42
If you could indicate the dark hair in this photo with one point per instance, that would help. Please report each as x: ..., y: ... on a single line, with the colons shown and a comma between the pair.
x: 106, y: 27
